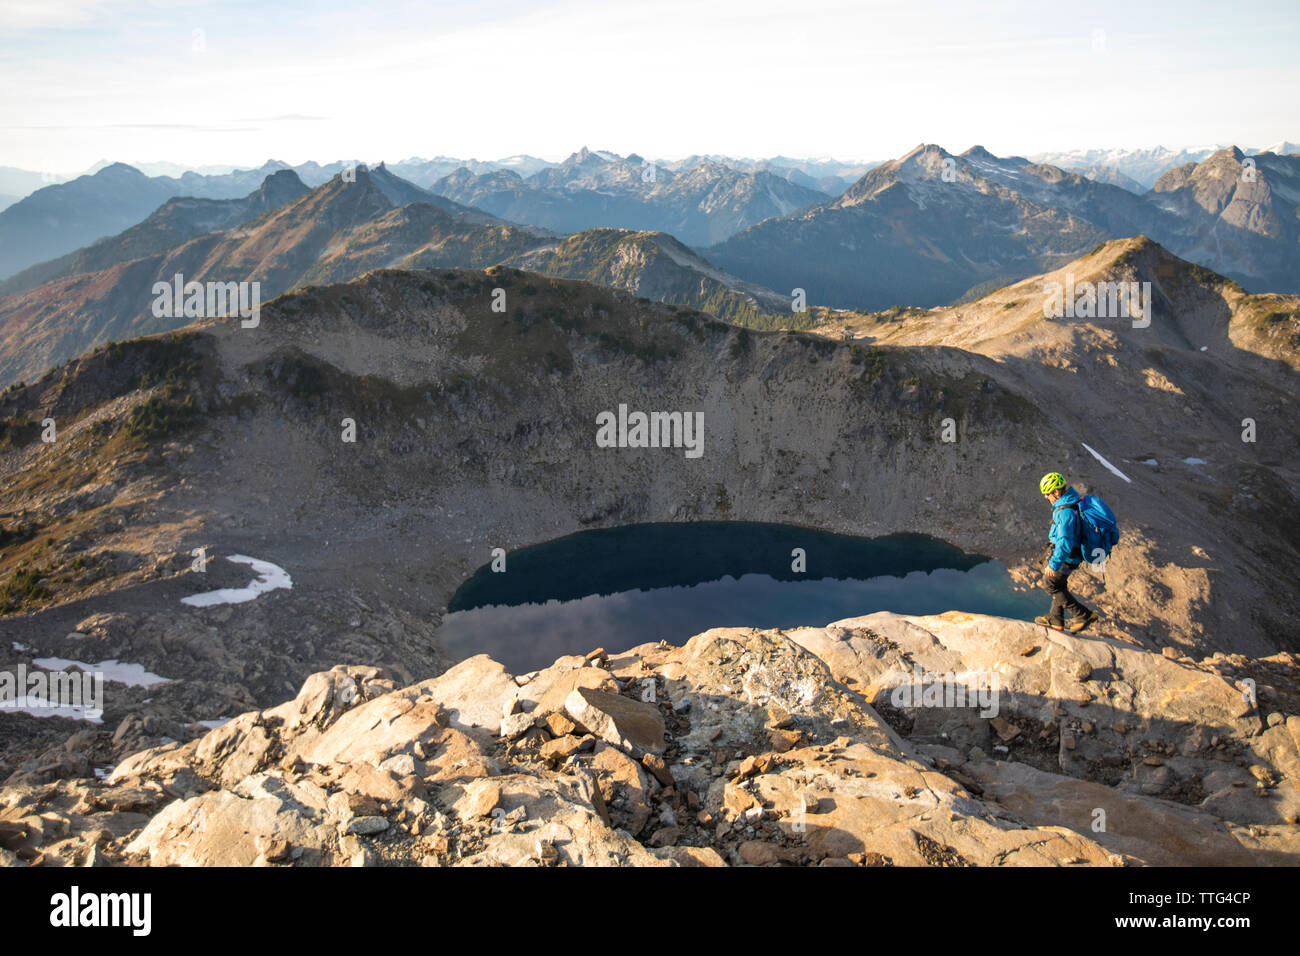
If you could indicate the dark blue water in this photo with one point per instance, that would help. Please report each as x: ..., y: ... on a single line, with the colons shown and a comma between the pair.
x: 620, y: 587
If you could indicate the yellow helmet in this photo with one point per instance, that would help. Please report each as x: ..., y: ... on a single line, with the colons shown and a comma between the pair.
x: 1051, y: 482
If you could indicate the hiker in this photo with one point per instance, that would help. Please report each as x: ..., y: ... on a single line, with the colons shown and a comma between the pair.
x: 1066, y: 542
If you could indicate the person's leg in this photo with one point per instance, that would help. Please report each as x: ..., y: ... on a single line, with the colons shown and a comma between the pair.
x: 1054, y: 584
x: 1068, y: 601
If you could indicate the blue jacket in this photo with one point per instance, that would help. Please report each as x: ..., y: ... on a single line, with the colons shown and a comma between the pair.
x: 1066, y: 535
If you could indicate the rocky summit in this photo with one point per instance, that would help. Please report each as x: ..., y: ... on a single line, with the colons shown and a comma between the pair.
x: 841, y: 745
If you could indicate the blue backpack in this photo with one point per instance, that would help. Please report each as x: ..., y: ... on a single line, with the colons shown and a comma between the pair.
x: 1100, y: 529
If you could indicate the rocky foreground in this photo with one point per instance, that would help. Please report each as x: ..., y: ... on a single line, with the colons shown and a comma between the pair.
x: 741, y: 747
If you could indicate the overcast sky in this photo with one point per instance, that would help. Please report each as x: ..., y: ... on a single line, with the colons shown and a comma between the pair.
x: 240, y: 82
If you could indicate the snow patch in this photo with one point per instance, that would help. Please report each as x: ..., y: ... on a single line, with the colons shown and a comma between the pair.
x: 1193, y: 461
x: 133, y: 675
x: 214, y: 724
x: 40, y: 707
x: 1111, y: 468
x: 269, y: 578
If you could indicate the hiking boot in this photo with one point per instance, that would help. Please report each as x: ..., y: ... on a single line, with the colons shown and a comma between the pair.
x: 1054, y: 625
x: 1079, y: 624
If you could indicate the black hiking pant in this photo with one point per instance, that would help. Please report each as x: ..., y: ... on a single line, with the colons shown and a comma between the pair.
x: 1057, y: 584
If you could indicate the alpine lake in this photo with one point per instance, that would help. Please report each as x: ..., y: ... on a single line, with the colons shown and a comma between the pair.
x: 620, y: 587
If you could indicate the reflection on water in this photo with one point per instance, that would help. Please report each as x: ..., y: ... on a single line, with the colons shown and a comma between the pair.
x: 681, y: 554
x: 527, y: 636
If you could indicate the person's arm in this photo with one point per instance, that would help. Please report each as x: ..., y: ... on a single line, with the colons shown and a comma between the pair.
x: 1062, y: 538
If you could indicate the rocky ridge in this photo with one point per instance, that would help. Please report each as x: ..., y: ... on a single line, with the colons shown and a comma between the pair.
x: 742, y: 747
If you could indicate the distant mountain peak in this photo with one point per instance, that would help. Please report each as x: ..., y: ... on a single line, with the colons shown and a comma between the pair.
x: 277, y: 188
x: 588, y: 157
x: 924, y: 151
x: 1284, y: 148
x: 282, y: 174
x: 120, y: 169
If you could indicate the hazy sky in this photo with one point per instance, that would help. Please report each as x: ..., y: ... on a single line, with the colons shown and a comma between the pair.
x: 239, y: 82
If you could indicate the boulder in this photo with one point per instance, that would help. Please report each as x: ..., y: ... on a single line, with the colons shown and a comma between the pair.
x: 230, y: 827
x: 633, y: 725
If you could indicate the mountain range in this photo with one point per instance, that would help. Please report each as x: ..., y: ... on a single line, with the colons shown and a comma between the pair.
x: 64, y: 217
x: 932, y: 227
x: 1138, y: 169
x: 927, y: 229
x: 701, y: 203
x: 173, y: 222
x: 829, y: 176
x: 332, y: 233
